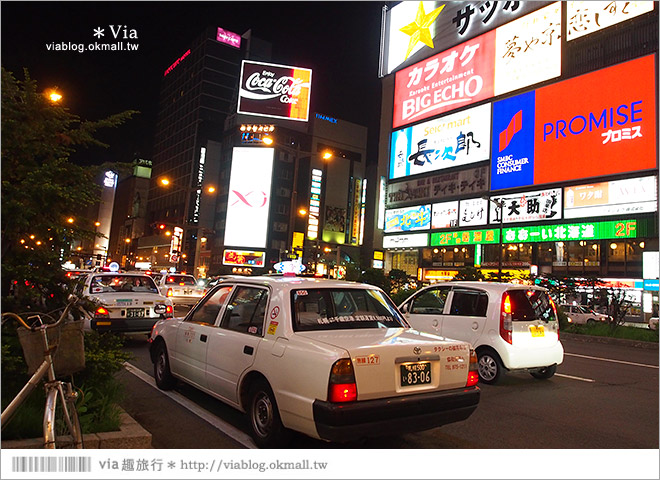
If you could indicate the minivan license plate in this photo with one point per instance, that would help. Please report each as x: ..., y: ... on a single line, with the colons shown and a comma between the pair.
x: 417, y: 373
x: 537, y: 331
x: 134, y: 312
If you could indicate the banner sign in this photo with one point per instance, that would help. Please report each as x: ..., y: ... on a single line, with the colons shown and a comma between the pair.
x: 230, y: 38
x: 619, y: 197
x: 605, y: 124
x: 584, y: 18
x: 473, y: 212
x: 413, y: 31
x: 551, y: 233
x: 516, y: 55
x: 444, y: 215
x: 528, y: 206
x: 446, y: 142
x: 408, y: 219
x: 244, y: 258
x: 469, y: 181
x: 406, y: 241
x: 277, y: 91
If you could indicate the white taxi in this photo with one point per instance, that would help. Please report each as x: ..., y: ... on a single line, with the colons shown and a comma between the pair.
x: 182, y: 289
x: 125, y: 302
x: 331, y: 359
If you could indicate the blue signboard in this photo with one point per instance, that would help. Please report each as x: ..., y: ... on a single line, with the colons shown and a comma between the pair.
x: 408, y: 219
x: 512, y: 163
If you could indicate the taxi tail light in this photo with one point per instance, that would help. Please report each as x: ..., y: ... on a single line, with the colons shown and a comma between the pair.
x: 342, y: 386
x: 506, y: 324
x: 473, y: 371
x: 102, y: 312
x: 170, y: 293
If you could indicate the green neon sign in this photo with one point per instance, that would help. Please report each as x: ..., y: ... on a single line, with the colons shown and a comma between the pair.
x: 547, y: 233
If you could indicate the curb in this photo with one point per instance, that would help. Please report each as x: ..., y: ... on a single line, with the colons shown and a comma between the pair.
x: 130, y: 435
x: 612, y: 341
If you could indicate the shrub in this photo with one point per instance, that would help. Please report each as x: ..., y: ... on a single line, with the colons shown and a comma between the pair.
x: 99, y: 390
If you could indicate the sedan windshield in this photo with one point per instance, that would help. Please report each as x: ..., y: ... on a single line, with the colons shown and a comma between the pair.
x: 331, y: 309
x: 122, y: 283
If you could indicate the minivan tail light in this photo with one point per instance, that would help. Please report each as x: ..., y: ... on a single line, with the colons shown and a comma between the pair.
x: 506, y: 323
x: 554, y: 309
x: 473, y: 371
x: 342, y: 386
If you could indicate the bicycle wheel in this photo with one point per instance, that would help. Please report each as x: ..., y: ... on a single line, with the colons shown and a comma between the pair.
x: 61, y: 422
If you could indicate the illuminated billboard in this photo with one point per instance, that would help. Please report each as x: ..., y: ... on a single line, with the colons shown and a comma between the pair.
x: 444, y: 215
x: 473, y: 212
x: 277, y: 91
x: 449, y: 141
x: 618, y: 197
x: 550, y: 233
x: 604, y: 124
x: 408, y: 219
x: 521, y: 53
x: 249, y: 197
x: 242, y: 258
x: 412, y: 240
x: 413, y: 30
x: 229, y: 38
x: 584, y: 18
x: 528, y: 206
x: 434, y: 187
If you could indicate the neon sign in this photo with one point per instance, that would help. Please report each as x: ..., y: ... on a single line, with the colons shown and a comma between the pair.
x: 176, y: 63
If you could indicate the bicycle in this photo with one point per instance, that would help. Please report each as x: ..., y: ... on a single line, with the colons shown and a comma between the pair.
x: 61, y: 425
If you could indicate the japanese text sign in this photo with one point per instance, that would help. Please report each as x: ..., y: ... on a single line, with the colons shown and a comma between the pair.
x: 528, y: 206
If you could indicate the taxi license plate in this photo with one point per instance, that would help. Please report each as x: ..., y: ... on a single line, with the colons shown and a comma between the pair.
x: 134, y: 312
x: 537, y: 331
x: 417, y: 373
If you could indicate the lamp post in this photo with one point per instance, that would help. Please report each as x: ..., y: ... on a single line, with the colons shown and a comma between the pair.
x: 500, y: 208
x: 167, y: 183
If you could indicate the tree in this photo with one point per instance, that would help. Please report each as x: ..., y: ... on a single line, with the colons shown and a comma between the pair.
x: 398, y: 279
x: 41, y: 190
x: 470, y: 273
x: 619, y: 307
x: 377, y: 277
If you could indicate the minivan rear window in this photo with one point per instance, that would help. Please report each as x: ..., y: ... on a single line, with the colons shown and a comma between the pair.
x: 529, y: 305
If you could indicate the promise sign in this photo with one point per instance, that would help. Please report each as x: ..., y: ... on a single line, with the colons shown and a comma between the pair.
x: 276, y: 91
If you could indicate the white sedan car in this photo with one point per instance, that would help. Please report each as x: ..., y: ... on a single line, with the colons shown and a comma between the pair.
x: 182, y: 289
x: 581, y: 315
x: 126, y: 302
x: 334, y: 360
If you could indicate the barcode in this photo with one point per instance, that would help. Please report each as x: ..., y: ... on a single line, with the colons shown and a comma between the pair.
x: 51, y: 464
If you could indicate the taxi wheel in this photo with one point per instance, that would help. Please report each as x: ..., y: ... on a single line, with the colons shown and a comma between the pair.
x: 265, y: 422
x: 545, y: 372
x: 162, y: 374
x: 490, y: 367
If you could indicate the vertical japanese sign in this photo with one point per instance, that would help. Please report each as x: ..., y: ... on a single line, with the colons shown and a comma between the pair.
x: 314, y: 204
x: 355, y: 223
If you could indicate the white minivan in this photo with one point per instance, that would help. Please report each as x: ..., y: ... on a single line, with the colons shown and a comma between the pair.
x: 511, y: 327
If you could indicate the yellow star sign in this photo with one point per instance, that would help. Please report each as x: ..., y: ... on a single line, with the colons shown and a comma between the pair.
x: 419, y: 29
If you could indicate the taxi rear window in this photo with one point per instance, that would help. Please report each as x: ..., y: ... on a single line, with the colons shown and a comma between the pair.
x: 122, y: 283
x: 336, y: 309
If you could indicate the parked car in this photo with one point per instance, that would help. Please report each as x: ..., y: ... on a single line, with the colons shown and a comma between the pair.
x: 182, y: 289
x: 330, y: 359
x: 511, y: 327
x: 653, y: 323
x: 127, y: 302
x: 581, y: 314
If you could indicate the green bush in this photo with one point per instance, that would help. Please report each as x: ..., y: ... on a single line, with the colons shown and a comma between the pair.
x: 604, y: 330
x: 99, y: 390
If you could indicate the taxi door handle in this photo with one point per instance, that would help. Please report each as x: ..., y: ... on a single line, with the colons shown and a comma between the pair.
x: 203, y: 338
x: 475, y: 325
x: 248, y: 350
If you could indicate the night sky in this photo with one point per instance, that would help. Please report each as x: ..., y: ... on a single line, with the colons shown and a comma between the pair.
x: 339, y: 41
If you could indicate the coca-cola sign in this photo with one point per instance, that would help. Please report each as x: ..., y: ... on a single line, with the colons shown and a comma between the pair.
x: 277, y: 91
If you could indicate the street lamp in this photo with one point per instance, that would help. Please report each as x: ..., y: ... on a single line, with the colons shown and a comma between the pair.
x: 185, y: 221
x: 499, y: 209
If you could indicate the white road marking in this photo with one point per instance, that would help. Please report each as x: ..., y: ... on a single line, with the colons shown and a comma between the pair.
x: 611, y: 360
x: 224, y: 427
x: 589, y: 380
